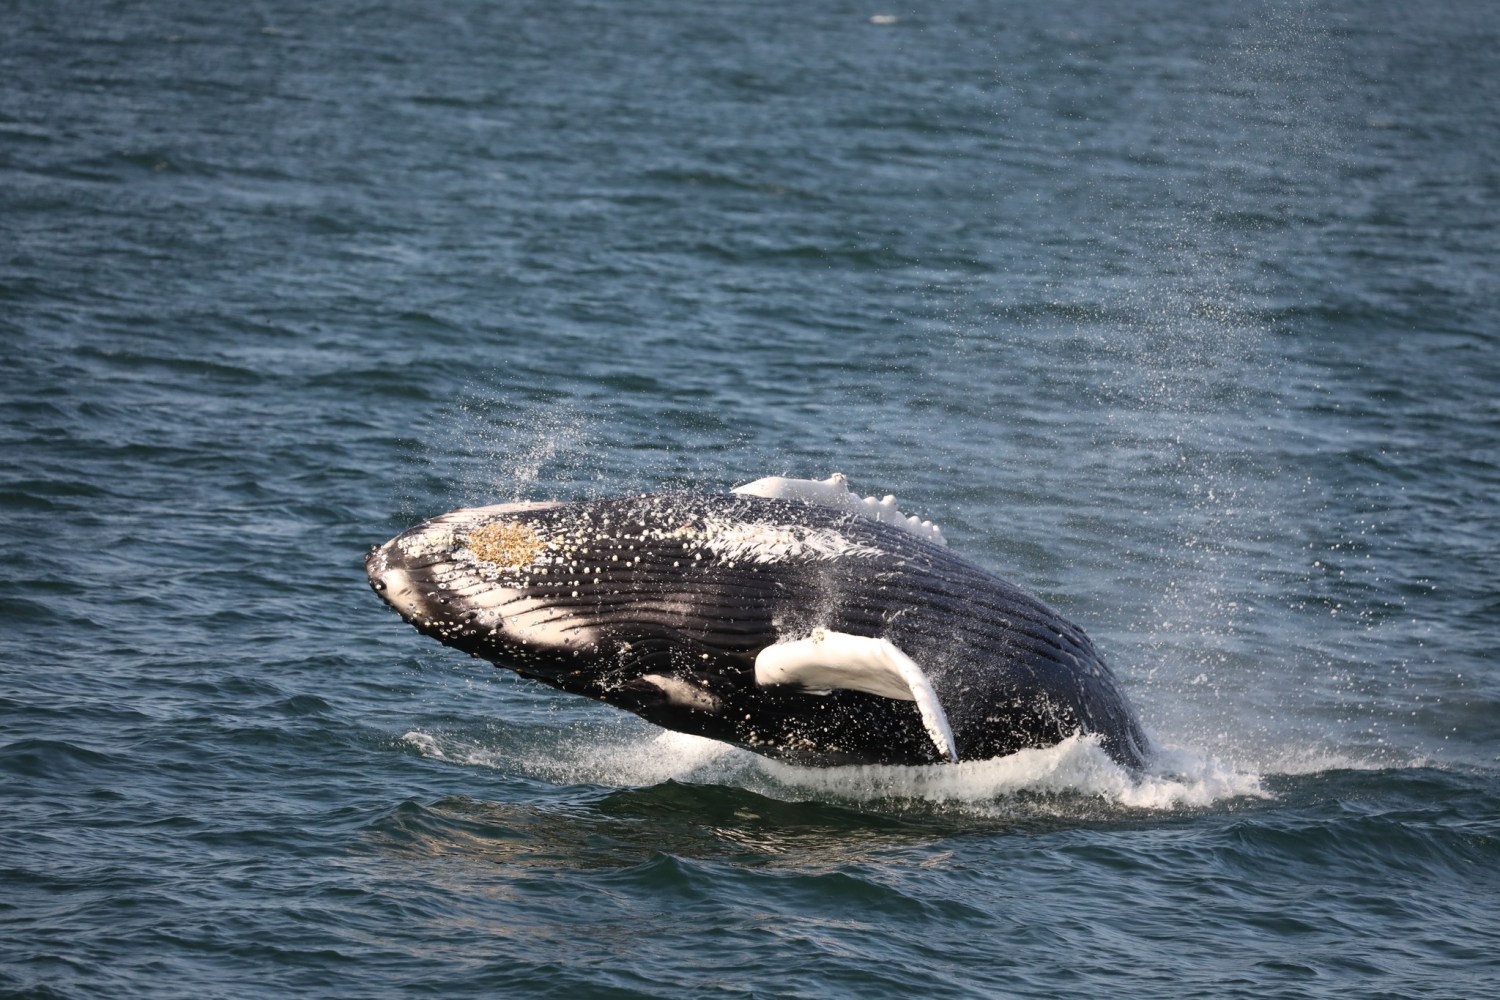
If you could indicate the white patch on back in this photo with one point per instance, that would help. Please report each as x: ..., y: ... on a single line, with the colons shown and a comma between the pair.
x: 737, y: 541
x: 834, y: 492
x: 827, y: 660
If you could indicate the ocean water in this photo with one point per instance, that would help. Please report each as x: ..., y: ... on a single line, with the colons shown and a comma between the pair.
x: 1185, y: 317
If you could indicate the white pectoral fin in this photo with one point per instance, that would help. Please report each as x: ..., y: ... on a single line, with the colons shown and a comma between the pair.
x: 826, y: 661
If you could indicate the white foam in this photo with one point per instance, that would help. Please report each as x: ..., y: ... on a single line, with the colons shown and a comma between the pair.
x: 645, y: 759
x: 425, y: 744
x: 1074, y: 777
x: 1075, y: 769
x: 643, y: 755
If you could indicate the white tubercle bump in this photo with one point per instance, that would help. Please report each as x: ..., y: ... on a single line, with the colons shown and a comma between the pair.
x: 834, y: 492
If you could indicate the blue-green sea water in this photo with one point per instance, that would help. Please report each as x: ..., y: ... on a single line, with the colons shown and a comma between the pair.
x: 1183, y: 316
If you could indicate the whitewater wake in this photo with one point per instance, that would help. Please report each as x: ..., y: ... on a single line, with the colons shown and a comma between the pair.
x: 1073, y: 771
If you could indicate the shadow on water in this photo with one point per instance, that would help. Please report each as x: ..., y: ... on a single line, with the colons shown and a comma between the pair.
x: 622, y: 829
x: 1421, y: 821
x: 592, y: 828
x: 707, y: 824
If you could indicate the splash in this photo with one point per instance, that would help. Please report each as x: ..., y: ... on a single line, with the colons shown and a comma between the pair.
x: 1072, y: 778
x: 527, y: 452
x: 597, y: 757
x: 1075, y: 770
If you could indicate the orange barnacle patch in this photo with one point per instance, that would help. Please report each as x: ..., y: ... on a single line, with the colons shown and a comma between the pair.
x: 506, y: 544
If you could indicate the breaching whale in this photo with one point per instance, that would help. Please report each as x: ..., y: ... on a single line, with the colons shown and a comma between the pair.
x: 788, y: 617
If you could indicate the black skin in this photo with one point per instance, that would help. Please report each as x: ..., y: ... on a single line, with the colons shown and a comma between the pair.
x: 633, y: 592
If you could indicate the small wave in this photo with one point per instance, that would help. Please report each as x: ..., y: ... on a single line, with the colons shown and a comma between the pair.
x: 1297, y: 761
x: 424, y: 744
x: 53, y: 759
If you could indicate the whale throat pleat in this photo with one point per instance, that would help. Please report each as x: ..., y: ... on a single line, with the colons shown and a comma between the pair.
x: 826, y: 661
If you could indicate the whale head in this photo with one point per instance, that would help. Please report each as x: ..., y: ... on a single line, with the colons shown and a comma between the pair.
x: 495, y: 582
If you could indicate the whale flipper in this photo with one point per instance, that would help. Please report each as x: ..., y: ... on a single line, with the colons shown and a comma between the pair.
x: 828, y: 660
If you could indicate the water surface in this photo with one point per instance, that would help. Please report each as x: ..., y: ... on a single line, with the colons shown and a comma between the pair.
x: 1182, y: 316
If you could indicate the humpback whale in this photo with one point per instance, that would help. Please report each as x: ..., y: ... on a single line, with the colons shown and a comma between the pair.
x: 788, y: 617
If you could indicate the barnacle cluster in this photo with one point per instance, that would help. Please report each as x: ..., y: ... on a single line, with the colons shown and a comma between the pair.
x: 505, y: 544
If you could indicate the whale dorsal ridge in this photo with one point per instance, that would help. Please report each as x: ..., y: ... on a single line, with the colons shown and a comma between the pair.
x: 834, y: 492
x: 827, y: 660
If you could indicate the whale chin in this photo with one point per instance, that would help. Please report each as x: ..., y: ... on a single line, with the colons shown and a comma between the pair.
x: 790, y: 618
